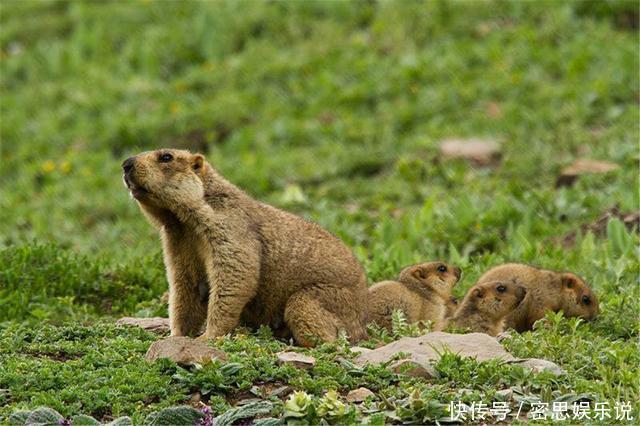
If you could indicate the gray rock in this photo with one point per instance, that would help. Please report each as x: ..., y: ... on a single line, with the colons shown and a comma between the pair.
x: 480, y: 152
x: 424, y: 349
x: 358, y: 395
x: 297, y: 360
x: 420, y: 353
x: 539, y: 365
x: 183, y: 351
x: 155, y: 324
x: 413, y: 368
x: 584, y: 166
x: 358, y: 349
x: 281, y: 392
x: 505, y: 335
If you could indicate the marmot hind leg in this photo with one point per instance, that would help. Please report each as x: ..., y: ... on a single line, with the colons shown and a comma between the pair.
x: 310, y: 322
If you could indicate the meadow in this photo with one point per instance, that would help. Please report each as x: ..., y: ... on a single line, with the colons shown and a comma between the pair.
x: 334, y: 111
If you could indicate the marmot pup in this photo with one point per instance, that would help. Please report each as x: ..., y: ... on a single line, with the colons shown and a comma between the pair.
x: 421, y: 292
x: 486, y: 305
x: 546, y: 291
x: 230, y: 258
x: 452, y: 306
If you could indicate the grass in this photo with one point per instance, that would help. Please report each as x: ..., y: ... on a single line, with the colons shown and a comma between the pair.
x: 332, y: 110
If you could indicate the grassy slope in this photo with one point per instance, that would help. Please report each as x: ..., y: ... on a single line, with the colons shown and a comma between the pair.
x: 331, y: 110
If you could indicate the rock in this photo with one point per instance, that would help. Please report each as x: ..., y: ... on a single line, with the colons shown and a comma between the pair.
x: 358, y: 349
x: 195, y: 398
x: 183, y: 351
x: 420, y: 352
x: 539, y: 365
x: 583, y: 166
x: 631, y: 221
x: 281, y: 392
x: 505, y: 394
x: 297, y: 360
x: 413, y: 368
x: 505, y: 335
x: 358, y: 395
x: 480, y: 152
x: 425, y: 348
x: 155, y: 324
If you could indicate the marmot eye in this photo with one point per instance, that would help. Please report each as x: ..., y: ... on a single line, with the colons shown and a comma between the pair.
x: 586, y: 300
x: 442, y: 268
x: 165, y: 158
x: 501, y: 289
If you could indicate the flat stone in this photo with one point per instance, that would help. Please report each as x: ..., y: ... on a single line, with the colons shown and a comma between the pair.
x: 631, y: 221
x: 155, y: 324
x: 505, y: 335
x: 358, y: 349
x: 425, y: 348
x: 358, y: 395
x: 480, y: 152
x: 281, y: 392
x: 419, y: 353
x: 296, y: 359
x: 412, y: 368
x: 183, y: 350
x: 539, y: 365
x: 583, y: 166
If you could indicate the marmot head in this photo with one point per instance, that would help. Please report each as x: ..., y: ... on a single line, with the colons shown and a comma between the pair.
x: 496, y: 299
x: 164, y: 177
x: 438, y: 276
x: 580, y: 300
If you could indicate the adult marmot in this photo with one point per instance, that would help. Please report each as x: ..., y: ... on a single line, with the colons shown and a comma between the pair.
x: 486, y: 305
x: 230, y: 258
x: 421, y: 292
x: 546, y: 291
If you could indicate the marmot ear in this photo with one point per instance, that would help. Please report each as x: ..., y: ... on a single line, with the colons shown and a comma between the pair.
x: 197, y: 161
x: 478, y: 292
x: 569, y: 280
x: 419, y: 273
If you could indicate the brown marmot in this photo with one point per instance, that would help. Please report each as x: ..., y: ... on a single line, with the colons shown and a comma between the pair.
x: 452, y: 306
x: 486, y: 305
x: 232, y: 259
x: 421, y: 292
x: 546, y: 291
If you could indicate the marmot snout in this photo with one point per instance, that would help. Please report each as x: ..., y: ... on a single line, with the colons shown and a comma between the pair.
x: 421, y: 292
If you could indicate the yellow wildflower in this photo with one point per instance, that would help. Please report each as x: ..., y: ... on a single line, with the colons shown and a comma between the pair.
x: 48, y: 166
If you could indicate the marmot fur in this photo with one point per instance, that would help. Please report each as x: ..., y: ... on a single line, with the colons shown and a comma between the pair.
x: 452, y: 306
x: 232, y: 259
x: 546, y: 291
x: 421, y: 292
x: 486, y: 305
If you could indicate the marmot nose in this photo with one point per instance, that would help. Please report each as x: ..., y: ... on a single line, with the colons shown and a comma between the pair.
x: 127, y: 164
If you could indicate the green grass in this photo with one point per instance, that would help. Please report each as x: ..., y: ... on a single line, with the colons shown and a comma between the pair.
x: 332, y: 110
